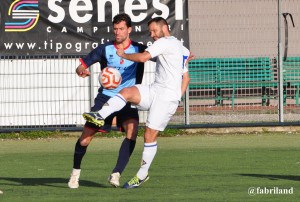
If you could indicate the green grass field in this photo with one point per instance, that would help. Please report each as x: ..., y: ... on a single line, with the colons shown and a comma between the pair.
x: 186, y: 168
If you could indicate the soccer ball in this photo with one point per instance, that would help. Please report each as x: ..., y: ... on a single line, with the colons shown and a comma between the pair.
x: 110, y: 78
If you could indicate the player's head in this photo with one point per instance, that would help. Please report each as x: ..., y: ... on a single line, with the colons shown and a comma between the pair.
x: 122, y: 17
x: 122, y: 27
x: 158, y: 27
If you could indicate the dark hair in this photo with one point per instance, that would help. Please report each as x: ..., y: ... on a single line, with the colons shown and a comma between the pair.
x: 122, y: 17
x: 158, y: 20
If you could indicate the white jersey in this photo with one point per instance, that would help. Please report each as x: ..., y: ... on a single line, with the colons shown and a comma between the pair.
x: 170, y: 65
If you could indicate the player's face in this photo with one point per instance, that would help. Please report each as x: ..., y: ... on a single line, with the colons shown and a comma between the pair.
x: 121, y: 32
x: 156, y: 31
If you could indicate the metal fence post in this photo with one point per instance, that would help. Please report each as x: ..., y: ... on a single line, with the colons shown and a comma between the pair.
x: 187, y: 107
x: 280, y: 72
x: 92, y: 95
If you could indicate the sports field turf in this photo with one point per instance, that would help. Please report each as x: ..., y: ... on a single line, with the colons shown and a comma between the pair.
x: 186, y: 168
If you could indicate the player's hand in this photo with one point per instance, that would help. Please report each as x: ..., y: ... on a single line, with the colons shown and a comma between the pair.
x: 120, y: 52
x: 81, y: 71
x: 191, y: 57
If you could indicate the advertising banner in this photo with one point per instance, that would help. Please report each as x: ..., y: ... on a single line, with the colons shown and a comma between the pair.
x: 75, y: 27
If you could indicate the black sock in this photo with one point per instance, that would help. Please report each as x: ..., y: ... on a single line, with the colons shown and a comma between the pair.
x: 78, y: 154
x: 125, y: 152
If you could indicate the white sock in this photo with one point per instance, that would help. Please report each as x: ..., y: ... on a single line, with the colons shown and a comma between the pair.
x: 148, y: 156
x: 76, y: 171
x: 114, y: 104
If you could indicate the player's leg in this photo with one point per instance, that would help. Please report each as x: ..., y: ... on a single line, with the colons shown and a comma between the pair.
x: 159, y: 115
x: 80, y: 150
x: 114, y: 104
x: 86, y: 137
x: 128, y: 119
x: 130, y: 126
x: 125, y: 152
x: 81, y: 145
x: 150, y: 149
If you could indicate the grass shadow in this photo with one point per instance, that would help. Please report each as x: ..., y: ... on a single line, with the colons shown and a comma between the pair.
x: 273, y: 177
x: 49, y: 182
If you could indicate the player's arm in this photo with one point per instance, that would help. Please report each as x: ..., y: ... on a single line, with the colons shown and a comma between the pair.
x: 186, y: 77
x: 185, y: 82
x: 191, y: 57
x: 90, y: 59
x: 136, y: 57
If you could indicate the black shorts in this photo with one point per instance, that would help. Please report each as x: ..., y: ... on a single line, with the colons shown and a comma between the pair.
x: 128, y: 112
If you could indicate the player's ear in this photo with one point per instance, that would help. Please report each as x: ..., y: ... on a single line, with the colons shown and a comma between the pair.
x: 129, y: 30
x: 165, y: 29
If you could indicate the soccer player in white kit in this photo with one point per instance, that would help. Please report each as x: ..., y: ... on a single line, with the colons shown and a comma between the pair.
x: 161, y: 98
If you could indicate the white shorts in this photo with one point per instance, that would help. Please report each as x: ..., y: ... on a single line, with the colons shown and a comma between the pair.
x: 159, y: 111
